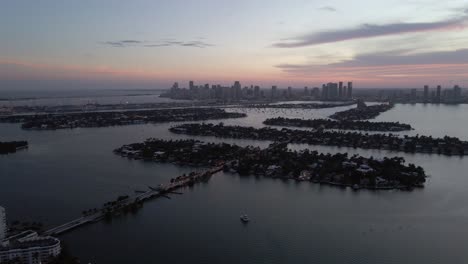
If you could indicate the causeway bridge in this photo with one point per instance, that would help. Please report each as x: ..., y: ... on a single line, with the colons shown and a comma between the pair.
x: 162, y: 189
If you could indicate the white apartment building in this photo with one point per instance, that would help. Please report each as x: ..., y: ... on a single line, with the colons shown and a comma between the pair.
x: 26, y: 247
x: 30, y: 248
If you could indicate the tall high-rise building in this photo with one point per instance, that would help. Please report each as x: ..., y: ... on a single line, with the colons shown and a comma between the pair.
x: 306, y: 91
x: 191, y: 85
x: 426, y: 93
x: 316, y: 92
x: 237, y: 90
x: 257, y: 91
x: 341, y: 93
x: 226, y: 93
x: 413, y: 94
x: 456, y: 92
x: 218, y: 91
x: 350, y: 90
x: 274, y: 91
x: 324, y: 95
x: 332, y: 91
x: 3, y: 224
x: 438, y: 93
x: 289, y: 92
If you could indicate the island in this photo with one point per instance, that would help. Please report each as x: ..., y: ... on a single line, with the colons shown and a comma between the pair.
x: 421, y: 144
x: 117, y: 118
x: 12, y: 146
x: 277, y: 161
x: 362, y: 111
x: 300, y: 105
x: 95, y: 107
x: 339, y: 125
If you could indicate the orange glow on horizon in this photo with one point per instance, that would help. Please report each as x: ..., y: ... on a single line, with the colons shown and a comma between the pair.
x: 366, y: 76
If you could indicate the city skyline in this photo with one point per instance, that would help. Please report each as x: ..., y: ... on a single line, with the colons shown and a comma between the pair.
x: 297, y: 44
x: 237, y: 92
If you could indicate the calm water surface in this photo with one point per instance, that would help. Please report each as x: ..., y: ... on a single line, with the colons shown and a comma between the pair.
x: 80, y: 97
x: 66, y: 171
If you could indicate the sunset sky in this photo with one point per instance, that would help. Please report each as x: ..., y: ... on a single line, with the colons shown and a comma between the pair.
x: 296, y: 43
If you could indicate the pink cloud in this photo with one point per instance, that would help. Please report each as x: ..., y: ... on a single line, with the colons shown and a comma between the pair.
x: 370, y: 31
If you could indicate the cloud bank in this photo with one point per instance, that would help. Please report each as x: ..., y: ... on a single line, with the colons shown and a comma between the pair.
x: 395, y: 68
x: 327, y: 8
x: 162, y: 43
x: 371, y: 30
x: 392, y: 58
x: 122, y: 43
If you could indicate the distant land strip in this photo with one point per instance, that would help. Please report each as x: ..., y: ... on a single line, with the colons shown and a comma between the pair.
x: 362, y: 112
x: 411, y: 144
x: 339, y: 125
x: 117, y: 118
x: 299, y: 106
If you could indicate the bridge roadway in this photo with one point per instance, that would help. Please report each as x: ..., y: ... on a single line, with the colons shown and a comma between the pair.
x: 153, y: 193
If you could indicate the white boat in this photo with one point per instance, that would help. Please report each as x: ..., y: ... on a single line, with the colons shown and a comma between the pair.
x: 244, y: 218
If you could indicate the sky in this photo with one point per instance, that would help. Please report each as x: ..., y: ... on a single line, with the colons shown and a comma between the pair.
x: 153, y: 43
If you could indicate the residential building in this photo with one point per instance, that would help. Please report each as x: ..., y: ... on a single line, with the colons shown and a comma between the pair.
x: 426, y: 93
x: 332, y: 91
x: 29, y: 248
x: 274, y: 91
x: 350, y: 90
x: 341, y: 93
x: 438, y: 93
x: 324, y: 92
